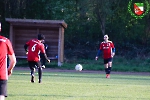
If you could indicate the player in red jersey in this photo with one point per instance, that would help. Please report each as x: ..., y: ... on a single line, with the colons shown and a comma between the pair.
x: 108, y: 53
x: 33, y: 48
x: 6, y: 49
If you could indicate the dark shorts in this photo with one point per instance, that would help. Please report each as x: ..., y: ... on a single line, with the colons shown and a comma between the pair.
x: 108, y: 60
x: 3, y: 87
x: 33, y: 64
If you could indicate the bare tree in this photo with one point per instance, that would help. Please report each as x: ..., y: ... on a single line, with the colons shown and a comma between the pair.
x: 103, y: 9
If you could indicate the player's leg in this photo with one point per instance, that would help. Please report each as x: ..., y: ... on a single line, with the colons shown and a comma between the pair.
x: 106, y: 67
x: 39, y: 71
x: 43, y: 60
x: 109, y: 65
x: 3, y: 89
x: 32, y: 69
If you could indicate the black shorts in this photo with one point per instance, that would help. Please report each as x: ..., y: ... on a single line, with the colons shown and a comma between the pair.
x: 108, y: 60
x: 3, y: 87
x: 33, y: 64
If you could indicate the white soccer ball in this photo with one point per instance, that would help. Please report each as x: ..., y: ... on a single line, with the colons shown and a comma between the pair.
x: 78, y: 67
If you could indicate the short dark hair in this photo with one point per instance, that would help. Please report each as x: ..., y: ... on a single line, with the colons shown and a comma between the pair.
x: 41, y: 37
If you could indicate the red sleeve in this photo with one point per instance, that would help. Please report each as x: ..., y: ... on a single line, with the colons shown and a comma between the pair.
x: 42, y: 48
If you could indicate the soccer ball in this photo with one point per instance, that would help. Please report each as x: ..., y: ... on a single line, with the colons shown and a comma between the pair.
x: 78, y: 67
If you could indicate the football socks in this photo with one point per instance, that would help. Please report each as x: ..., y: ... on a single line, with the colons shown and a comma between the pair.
x: 40, y: 74
x: 106, y: 70
x: 109, y: 70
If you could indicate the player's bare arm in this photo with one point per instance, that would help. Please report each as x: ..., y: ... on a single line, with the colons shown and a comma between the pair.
x: 48, y: 60
x: 12, y: 63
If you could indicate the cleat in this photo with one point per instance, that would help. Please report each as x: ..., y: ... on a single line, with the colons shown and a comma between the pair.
x: 32, y: 79
x: 40, y: 81
x: 107, y: 75
x: 43, y: 66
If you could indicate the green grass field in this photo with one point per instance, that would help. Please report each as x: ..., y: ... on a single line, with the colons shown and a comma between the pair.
x: 78, y: 86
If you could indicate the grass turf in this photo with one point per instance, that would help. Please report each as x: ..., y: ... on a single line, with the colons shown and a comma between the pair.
x: 78, y: 86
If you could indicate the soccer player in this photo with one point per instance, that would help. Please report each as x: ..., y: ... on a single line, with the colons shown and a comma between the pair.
x: 6, y: 50
x: 43, y: 60
x: 108, y: 53
x: 33, y: 48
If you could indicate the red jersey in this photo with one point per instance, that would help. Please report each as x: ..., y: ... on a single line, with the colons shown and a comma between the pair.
x: 6, y: 49
x: 34, y: 48
x: 106, y: 47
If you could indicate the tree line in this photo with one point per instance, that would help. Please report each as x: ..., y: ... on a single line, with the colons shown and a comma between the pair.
x: 88, y: 21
